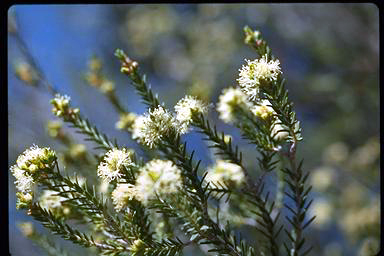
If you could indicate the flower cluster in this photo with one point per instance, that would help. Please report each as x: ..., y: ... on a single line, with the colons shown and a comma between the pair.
x: 122, y: 194
x: 258, y: 73
x: 27, y: 165
x: 228, y: 101
x: 115, y: 160
x: 224, y: 171
x: 152, y: 127
x: 186, y: 108
x: 61, y: 107
x: 158, y: 177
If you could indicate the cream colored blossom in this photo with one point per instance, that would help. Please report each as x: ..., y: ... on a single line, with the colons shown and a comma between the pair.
x: 137, y: 247
x: 158, y: 177
x: 224, y: 171
x: 335, y: 153
x: 36, y: 158
x: 24, y: 181
x: 114, y: 161
x: 24, y: 200
x: 152, y: 127
x: 26, y: 228
x: 322, y: 178
x: 356, y: 220
x: 49, y: 200
x: 107, y: 86
x: 255, y: 73
x: 126, y: 121
x: 28, y: 163
x: 228, y: 101
x: 122, y: 194
x: 323, y: 211
x: 103, y: 186
x: 27, y: 73
x: 61, y: 106
x: 185, y: 108
x: 263, y: 109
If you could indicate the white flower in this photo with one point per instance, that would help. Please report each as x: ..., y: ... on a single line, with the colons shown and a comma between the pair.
x: 24, y: 181
x: 322, y: 178
x: 225, y: 171
x: 138, y: 127
x: 263, y: 109
x: 152, y: 127
x: 185, y: 108
x: 114, y: 162
x: 28, y: 163
x: 158, y: 177
x: 228, y: 100
x: 122, y: 194
x: 255, y: 72
x: 49, y: 200
x: 36, y: 158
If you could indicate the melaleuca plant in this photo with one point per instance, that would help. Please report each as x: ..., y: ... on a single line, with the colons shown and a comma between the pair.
x: 163, y: 201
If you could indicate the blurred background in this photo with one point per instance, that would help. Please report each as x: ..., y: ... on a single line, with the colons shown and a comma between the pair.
x: 329, y: 55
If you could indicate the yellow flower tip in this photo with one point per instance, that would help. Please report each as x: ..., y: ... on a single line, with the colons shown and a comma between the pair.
x: 54, y: 128
x: 26, y: 73
x: 128, y: 66
x: 95, y: 64
x: 107, y: 86
x: 126, y: 121
x: 77, y: 151
x: 263, y: 110
x: 137, y: 246
x: 61, y: 107
x: 26, y: 228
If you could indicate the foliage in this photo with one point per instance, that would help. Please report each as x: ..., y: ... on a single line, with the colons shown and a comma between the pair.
x: 168, y: 221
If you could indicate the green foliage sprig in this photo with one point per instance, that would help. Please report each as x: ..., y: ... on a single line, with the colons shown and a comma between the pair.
x: 175, y: 191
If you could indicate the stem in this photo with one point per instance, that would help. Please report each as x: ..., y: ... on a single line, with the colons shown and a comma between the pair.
x: 176, y: 153
x: 27, y: 53
x: 87, y: 200
x: 92, y: 132
x: 116, y: 103
x: 235, y: 157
